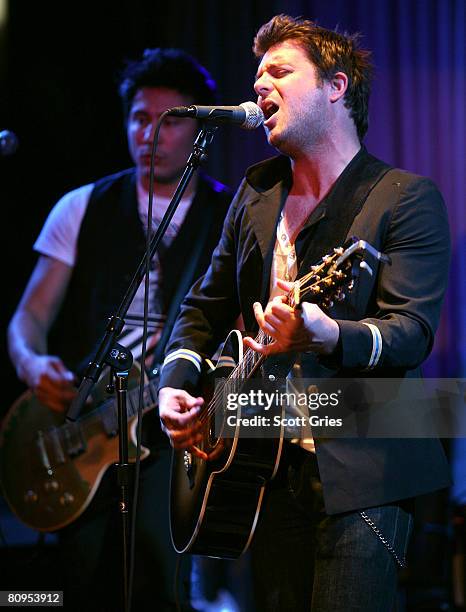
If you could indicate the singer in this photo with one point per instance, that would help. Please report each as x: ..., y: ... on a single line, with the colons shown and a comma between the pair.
x: 336, y: 520
x: 88, y: 250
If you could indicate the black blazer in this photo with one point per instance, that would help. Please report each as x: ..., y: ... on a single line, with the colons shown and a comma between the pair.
x: 398, y: 213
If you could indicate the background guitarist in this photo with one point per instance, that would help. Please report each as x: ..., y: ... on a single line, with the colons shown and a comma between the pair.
x: 88, y: 250
x: 337, y: 518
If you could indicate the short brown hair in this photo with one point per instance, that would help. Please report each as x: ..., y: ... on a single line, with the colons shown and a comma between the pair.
x: 330, y: 52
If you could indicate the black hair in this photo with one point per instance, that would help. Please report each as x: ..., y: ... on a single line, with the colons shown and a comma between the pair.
x: 171, y: 68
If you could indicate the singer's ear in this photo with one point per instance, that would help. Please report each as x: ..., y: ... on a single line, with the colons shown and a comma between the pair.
x: 338, y: 86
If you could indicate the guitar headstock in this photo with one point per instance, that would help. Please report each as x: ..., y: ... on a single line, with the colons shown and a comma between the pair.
x: 335, y: 273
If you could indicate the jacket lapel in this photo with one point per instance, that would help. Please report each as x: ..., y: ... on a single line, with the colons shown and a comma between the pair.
x: 344, y: 202
x: 264, y: 213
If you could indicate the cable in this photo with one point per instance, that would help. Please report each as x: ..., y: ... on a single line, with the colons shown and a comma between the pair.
x: 143, y: 359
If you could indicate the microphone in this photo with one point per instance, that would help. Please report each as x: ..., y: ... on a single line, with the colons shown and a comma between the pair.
x: 8, y: 143
x: 247, y: 115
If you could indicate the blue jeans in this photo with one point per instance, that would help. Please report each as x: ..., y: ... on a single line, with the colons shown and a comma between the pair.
x: 305, y: 560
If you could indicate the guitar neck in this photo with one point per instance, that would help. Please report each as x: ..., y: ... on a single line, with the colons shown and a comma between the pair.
x: 252, y: 360
x: 106, y: 417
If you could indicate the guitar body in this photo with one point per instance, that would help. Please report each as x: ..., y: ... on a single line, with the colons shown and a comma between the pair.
x: 49, y: 469
x: 215, y: 504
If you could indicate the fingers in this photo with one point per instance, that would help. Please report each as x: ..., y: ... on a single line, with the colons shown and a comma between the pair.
x: 52, y: 382
x: 180, y: 417
x: 170, y: 395
x: 60, y: 389
x: 258, y: 313
x: 200, y: 453
x: 212, y: 455
x: 177, y: 408
x: 285, y: 285
x: 268, y: 321
x: 263, y: 349
x: 272, y: 348
x: 173, y: 419
x: 56, y: 403
x: 52, y: 395
x: 281, y: 323
x: 278, y: 315
x: 58, y: 366
x: 184, y: 438
x: 289, y: 287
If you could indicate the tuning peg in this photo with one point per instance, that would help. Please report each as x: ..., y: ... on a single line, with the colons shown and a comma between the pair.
x: 340, y: 296
x: 338, y: 251
x: 324, y: 303
x: 365, y: 266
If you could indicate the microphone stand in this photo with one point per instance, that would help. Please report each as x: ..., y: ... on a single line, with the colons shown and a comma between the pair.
x: 119, y: 358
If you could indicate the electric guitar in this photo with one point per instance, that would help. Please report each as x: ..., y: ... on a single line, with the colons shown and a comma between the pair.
x: 51, y: 469
x: 215, y: 504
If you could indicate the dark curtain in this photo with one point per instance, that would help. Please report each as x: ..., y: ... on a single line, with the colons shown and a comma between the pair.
x: 57, y: 72
x: 58, y: 78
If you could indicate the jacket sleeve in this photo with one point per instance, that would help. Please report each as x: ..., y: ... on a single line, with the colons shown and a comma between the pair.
x: 410, y: 291
x: 207, y: 313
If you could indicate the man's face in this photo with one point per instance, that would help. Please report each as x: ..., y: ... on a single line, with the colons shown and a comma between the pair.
x: 294, y: 101
x: 175, y: 139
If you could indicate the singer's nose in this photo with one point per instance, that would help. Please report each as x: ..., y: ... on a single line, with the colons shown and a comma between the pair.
x: 262, y: 86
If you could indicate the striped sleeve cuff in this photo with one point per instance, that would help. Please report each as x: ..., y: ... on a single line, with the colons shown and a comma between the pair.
x: 187, y: 354
x: 362, y: 345
x: 377, y: 344
x: 181, y: 369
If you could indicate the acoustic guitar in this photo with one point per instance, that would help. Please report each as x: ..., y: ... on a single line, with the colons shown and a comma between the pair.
x: 215, y: 504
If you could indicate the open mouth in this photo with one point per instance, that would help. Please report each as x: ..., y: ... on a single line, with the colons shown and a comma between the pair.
x: 269, y: 108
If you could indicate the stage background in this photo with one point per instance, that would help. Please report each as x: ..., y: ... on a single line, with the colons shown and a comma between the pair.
x: 58, y: 63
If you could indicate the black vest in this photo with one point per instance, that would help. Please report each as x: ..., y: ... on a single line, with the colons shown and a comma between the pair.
x: 110, y: 246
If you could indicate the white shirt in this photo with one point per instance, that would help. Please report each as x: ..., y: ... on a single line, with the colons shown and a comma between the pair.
x: 285, y: 267
x: 59, y: 239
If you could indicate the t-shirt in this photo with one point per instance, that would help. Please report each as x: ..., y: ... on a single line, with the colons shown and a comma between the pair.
x: 59, y: 239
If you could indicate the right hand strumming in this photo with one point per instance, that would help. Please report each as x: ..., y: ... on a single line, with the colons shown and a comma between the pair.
x: 178, y: 411
x: 50, y: 380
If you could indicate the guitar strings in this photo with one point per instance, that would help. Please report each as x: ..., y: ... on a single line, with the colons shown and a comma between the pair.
x: 251, y: 357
